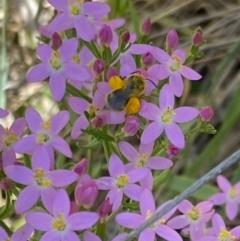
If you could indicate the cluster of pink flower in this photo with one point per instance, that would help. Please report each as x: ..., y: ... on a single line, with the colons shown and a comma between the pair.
x: 96, y: 61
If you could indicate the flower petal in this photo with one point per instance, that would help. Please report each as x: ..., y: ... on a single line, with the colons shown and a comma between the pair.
x: 116, y: 166
x: 148, y: 234
x: 82, y: 220
x: 185, y: 206
x: 8, y: 157
x: 196, y: 231
x: 129, y: 220
x: 52, y: 235
x: 147, y: 182
x: 217, y: 223
x: 96, y: 9
x: 128, y: 151
x: 58, y: 121
x: 146, y: 148
x: 80, y: 124
x: 160, y: 55
x: 166, y: 97
x: 68, y: 48
x: 61, y: 203
x: 149, y: 111
x: 167, y: 233
x: 180, y: 53
x: 23, y: 233
x: 218, y: 198
x: 89, y: 236
x: 185, y: 114
x: 26, y: 199
x: 62, y: 178
x: 84, y: 28
x: 147, y: 202
x: 61, y: 22
x: 178, y: 222
x: 78, y: 105
x: 163, y: 71
x: 231, y: 210
x: 223, y: 183
x: 105, y: 183
x: 70, y: 235
x: 26, y: 144
x: 39, y: 220
x: 34, y: 120
x: 44, y: 52
x: 47, y: 197
x: 41, y: 158
x: 175, y: 135
x: 189, y: 73
x: 151, y: 132
x: 205, y: 206
x: 57, y: 84
x: 159, y: 163
x: 115, y: 197
x: 25, y: 177
x: 61, y: 145
x: 132, y: 191
x: 61, y: 5
x: 137, y: 174
x: 18, y: 126
x: 38, y: 73
x: 176, y: 83
x: 76, y: 72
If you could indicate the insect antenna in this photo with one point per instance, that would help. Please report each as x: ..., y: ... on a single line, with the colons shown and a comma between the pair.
x: 152, y: 82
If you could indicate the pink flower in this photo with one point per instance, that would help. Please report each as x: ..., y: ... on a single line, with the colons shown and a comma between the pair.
x: 40, y: 181
x: 8, y: 138
x: 3, y: 113
x: 58, y: 65
x: 147, y: 208
x: 230, y: 196
x: 60, y: 224
x: 165, y: 118
x: 45, y: 134
x: 194, y: 216
x: 121, y: 182
x: 83, y: 16
x: 23, y: 234
x: 221, y: 232
x: 172, y: 67
x: 143, y: 159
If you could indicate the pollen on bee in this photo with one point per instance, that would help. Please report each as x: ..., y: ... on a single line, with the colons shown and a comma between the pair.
x: 116, y: 82
x: 133, y: 105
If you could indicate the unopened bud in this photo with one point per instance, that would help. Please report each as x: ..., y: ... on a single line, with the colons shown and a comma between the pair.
x: 73, y: 207
x: 111, y: 72
x: 86, y: 191
x: 125, y: 37
x: 5, y: 184
x: 172, y: 40
x: 147, y: 59
x: 105, y: 35
x: 104, y: 209
x: 172, y: 150
x: 131, y: 126
x: 146, y: 27
x: 99, y: 121
x: 197, y: 38
x: 98, y: 66
x: 206, y: 113
x: 56, y: 41
x: 81, y: 167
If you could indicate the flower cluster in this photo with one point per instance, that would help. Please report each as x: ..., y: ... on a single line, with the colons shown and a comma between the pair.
x: 117, y: 86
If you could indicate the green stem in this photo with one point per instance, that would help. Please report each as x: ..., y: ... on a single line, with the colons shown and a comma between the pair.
x: 75, y: 92
x: 101, y: 230
x: 6, y: 228
x: 90, y: 158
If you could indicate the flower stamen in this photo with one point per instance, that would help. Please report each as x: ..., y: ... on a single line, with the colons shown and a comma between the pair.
x: 122, y: 180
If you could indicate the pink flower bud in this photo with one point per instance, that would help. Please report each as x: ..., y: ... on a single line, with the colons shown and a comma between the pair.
x: 5, y: 184
x: 125, y: 37
x: 56, y: 41
x: 197, y: 37
x: 105, y: 35
x: 99, y: 121
x: 131, y: 126
x: 147, y: 59
x: 81, y: 167
x: 172, y: 150
x: 111, y: 72
x: 86, y: 191
x: 172, y: 40
x: 73, y: 207
x: 104, y: 209
x: 98, y: 66
x: 206, y: 113
x: 146, y: 27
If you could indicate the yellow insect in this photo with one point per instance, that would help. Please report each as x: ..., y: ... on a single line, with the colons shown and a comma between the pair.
x: 126, y: 92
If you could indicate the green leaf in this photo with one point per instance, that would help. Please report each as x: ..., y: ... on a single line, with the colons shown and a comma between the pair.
x: 180, y: 183
x: 27, y: 161
x: 94, y: 143
x: 161, y: 178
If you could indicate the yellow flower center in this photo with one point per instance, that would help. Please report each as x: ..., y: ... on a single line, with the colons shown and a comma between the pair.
x: 167, y: 115
x: 76, y: 59
x: 46, y: 125
x: 41, y: 178
x: 142, y: 160
x: 43, y: 135
x: 133, y: 105
x: 225, y: 235
x: 149, y: 214
x: 176, y: 63
x: 194, y: 214
x: 122, y: 180
x: 9, y: 137
x: 59, y: 222
x: 75, y: 6
x: 55, y: 60
x: 233, y: 192
x: 92, y: 109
